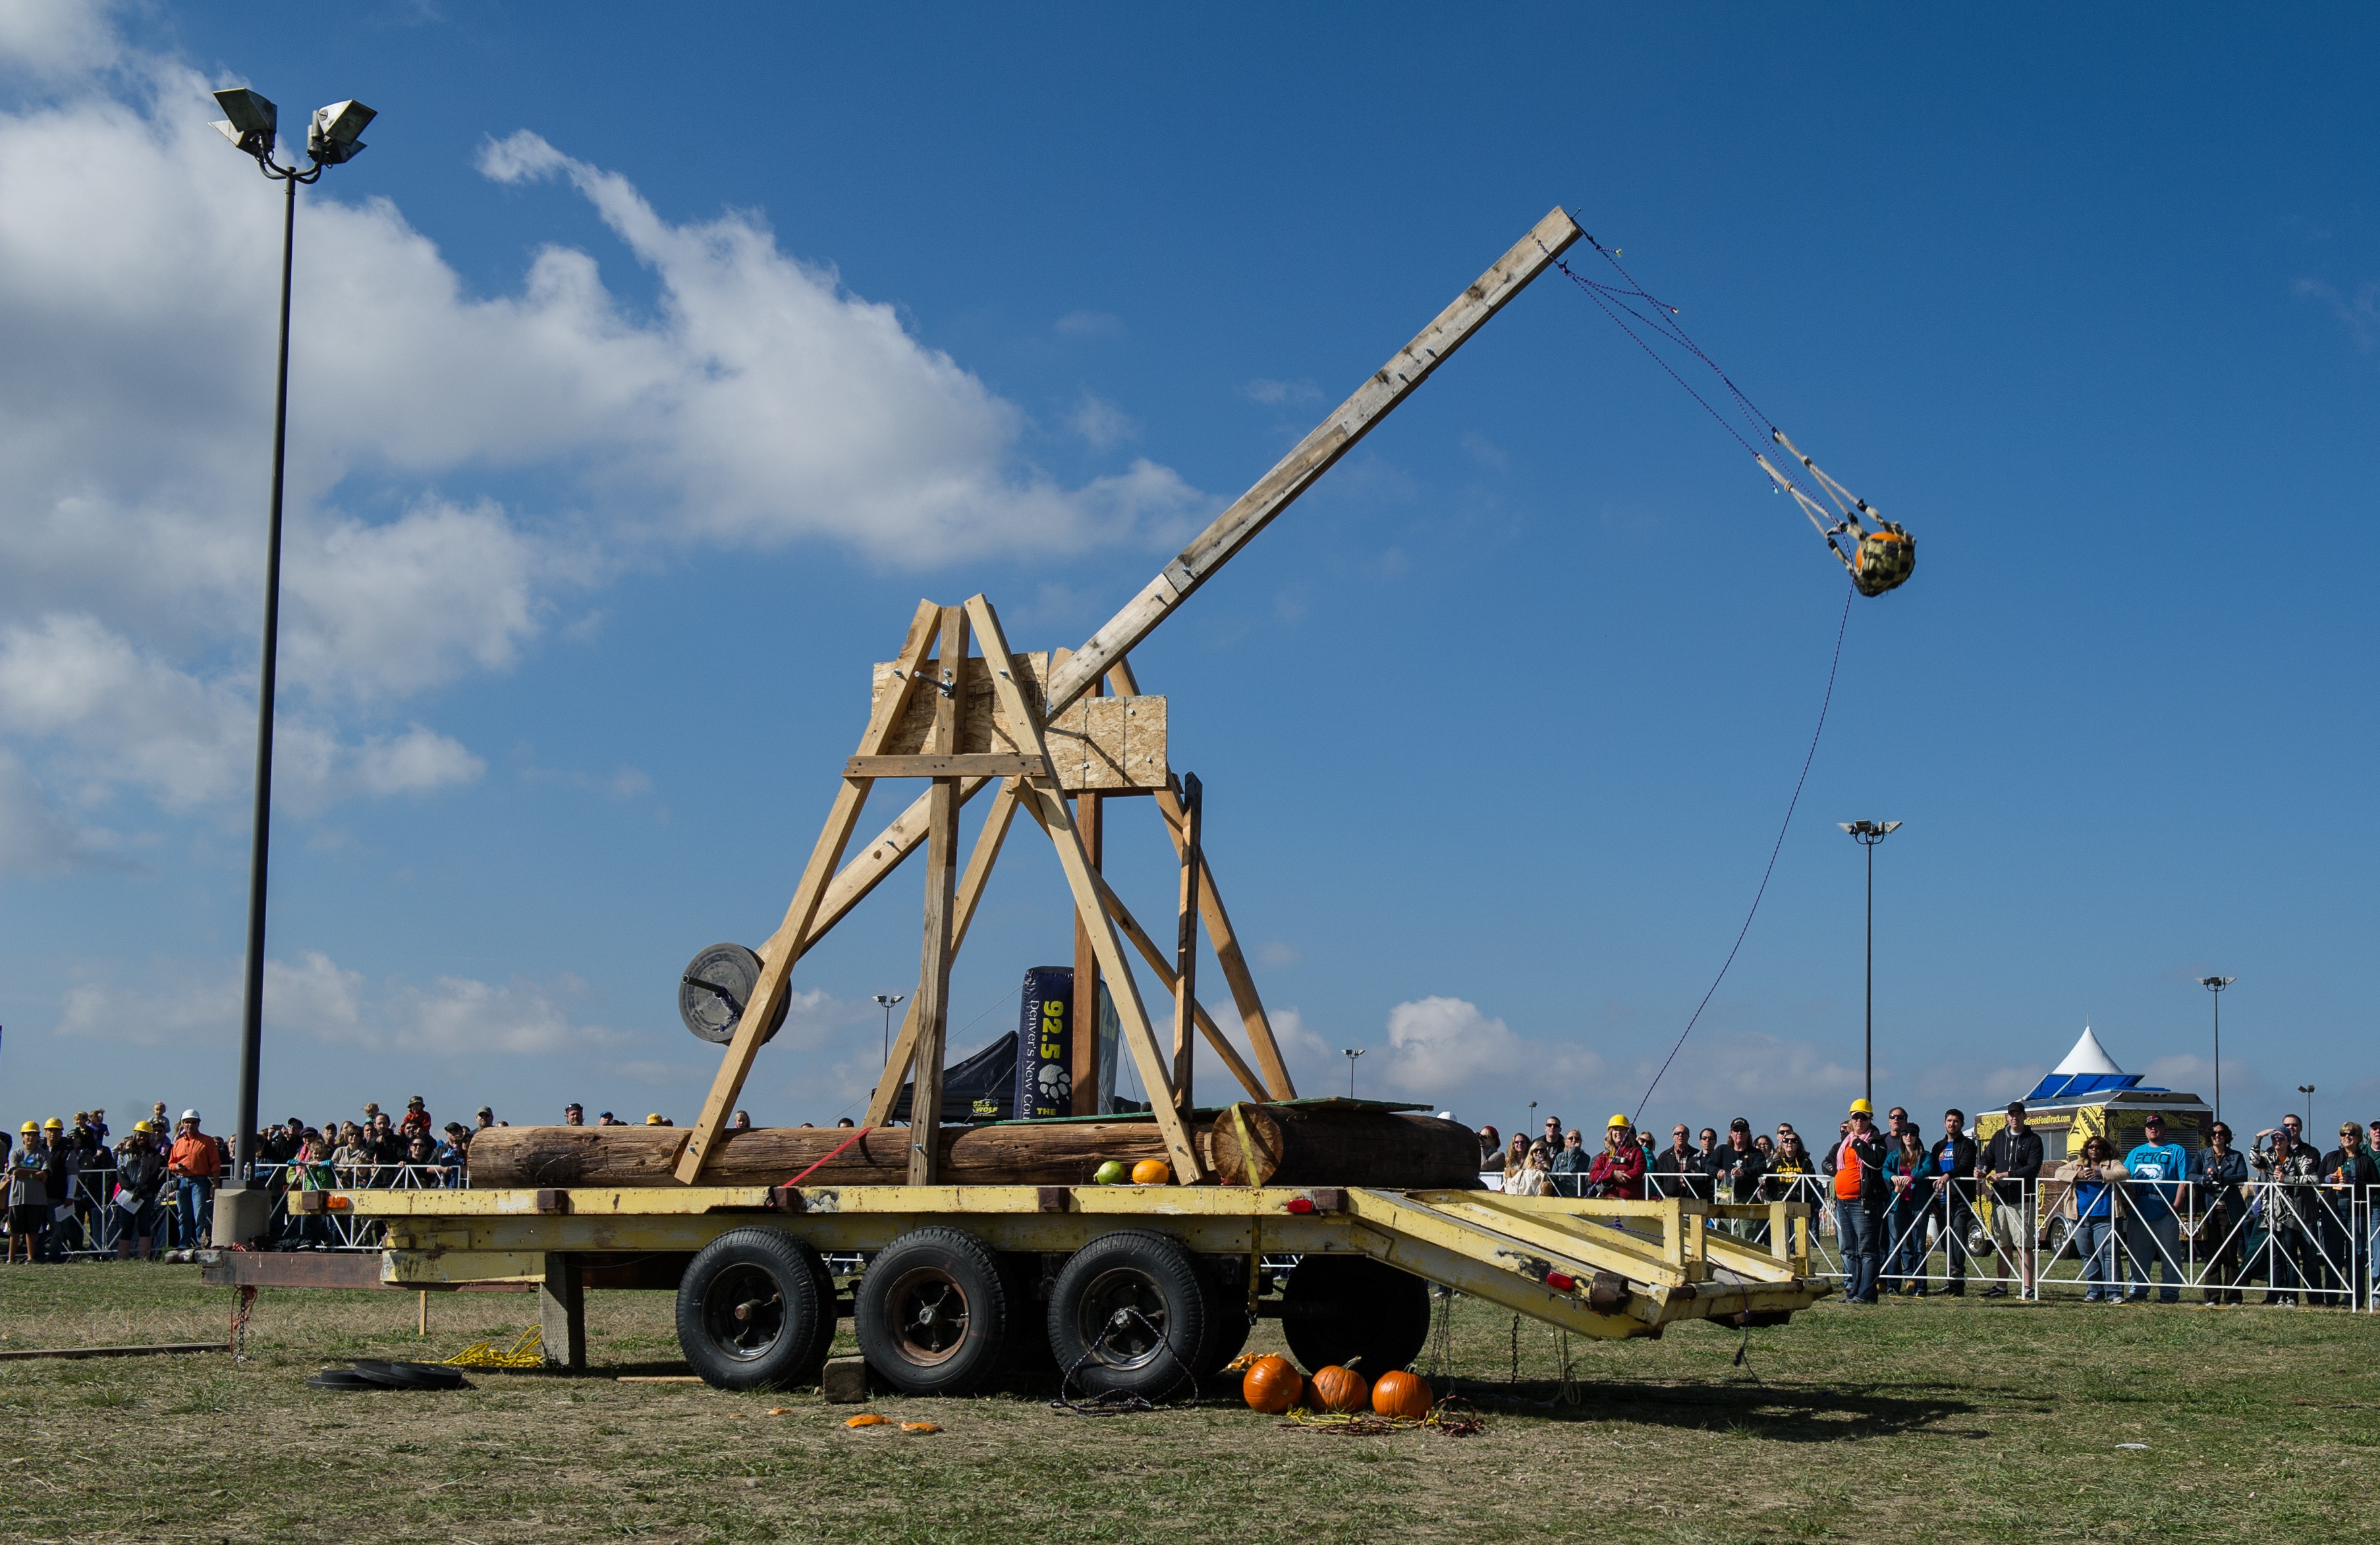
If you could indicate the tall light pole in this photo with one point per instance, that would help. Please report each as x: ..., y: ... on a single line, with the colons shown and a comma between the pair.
x: 888, y: 1000
x: 2215, y: 985
x: 1352, y: 1053
x: 1867, y: 834
x: 2307, y: 1089
x: 243, y: 1211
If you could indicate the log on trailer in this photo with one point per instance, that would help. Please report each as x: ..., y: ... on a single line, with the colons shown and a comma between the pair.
x: 1325, y: 1143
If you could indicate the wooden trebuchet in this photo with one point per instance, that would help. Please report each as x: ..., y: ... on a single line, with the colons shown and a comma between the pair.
x: 1324, y: 1144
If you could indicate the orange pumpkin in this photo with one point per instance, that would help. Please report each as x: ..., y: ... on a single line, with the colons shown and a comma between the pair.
x: 1271, y: 1384
x: 1151, y: 1172
x: 1399, y: 1394
x: 1338, y: 1389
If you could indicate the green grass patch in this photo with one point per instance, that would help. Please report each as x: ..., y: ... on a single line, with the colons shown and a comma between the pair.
x: 1980, y: 1421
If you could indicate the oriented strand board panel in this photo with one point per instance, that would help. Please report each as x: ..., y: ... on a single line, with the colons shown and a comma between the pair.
x: 1101, y: 743
x: 1110, y: 743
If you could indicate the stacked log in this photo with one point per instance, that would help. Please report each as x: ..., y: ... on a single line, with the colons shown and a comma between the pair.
x: 1325, y: 1144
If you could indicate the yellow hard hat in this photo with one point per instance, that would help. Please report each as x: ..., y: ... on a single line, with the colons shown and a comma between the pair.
x: 141, y: 1126
x: 30, y: 1126
x: 654, y: 1119
x: 1861, y: 1107
x: 1616, y: 1121
x: 53, y: 1124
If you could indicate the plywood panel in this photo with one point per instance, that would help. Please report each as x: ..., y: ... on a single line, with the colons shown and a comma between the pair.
x: 1106, y: 744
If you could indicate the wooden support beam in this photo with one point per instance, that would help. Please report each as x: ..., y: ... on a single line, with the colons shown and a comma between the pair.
x: 561, y: 1315
x: 1133, y: 930
x: 1313, y: 457
x: 978, y: 870
x: 972, y: 764
x: 1279, y: 1085
x: 942, y: 895
x: 751, y: 1029
x: 1185, y: 949
x: 1084, y: 1059
x: 1049, y: 808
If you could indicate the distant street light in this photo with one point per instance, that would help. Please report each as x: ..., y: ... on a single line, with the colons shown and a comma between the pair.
x: 2215, y: 985
x: 1867, y: 834
x: 242, y: 1211
x: 2307, y: 1089
x: 1352, y: 1053
x: 888, y: 1001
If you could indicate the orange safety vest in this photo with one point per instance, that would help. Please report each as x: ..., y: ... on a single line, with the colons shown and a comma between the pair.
x: 1848, y: 1181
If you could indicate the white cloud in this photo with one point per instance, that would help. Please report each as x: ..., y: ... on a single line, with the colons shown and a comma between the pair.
x: 1100, y: 423
x: 184, y: 1002
x: 1440, y: 1046
x: 755, y: 404
x: 115, y: 715
x: 2359, y: 313
x: 1090, y: 324
x: 1282, y: 394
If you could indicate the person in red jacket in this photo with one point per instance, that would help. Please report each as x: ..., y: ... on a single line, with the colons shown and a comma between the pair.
x: 1619, y: 1170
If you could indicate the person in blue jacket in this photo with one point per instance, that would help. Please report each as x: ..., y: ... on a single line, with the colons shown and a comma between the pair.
x: 2160, y: 1173
x: 1909, y: 1170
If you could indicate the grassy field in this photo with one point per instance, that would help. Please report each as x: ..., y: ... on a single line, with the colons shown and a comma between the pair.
x: 1925, y: 1420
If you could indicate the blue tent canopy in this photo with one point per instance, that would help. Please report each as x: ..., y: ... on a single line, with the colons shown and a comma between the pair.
x: 2074, y: 1086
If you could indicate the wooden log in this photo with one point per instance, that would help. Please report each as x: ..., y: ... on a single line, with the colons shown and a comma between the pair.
x: 1335, y: 1145
x: 1341, y: 1143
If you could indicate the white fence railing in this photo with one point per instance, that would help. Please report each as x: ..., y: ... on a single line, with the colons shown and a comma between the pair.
x: 95, y: 1224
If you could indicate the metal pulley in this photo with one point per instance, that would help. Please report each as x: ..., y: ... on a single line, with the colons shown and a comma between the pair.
x: 714, y: 988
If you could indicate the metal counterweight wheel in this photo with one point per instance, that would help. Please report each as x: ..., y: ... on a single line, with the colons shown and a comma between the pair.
x: 1355, y: 1312
x: 933, y: 1313
x: 1128, y: 1314
x: 755, y: 1310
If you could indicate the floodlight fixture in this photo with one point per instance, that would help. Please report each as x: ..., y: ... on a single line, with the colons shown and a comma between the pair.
x: 249, y: 119
x: 330, y: 137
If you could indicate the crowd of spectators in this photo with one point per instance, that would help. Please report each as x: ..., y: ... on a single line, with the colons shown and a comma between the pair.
x: 76, y: 1190
x: 1895, y: 1197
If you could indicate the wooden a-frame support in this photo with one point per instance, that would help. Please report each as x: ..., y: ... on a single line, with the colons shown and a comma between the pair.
x: 952, y: 899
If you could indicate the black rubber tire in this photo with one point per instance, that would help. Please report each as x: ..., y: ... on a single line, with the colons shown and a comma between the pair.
x: 344, y: 1379
x: 1225, y: 1278
x: 410, y: 1375
x: 1356, y: 1312
x: 750, y: 1315
x: 933, y: 1313
x: 1157, y: 1279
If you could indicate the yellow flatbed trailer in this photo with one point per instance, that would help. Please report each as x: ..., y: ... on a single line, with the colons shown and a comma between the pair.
x: 1089, y: 1276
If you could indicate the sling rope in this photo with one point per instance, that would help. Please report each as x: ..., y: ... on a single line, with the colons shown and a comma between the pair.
x: 1879, y: 560
x: 1833, y: 667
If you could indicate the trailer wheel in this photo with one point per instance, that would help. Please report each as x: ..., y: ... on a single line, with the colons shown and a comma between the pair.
x: 749, y: 1314
x: 1355, y: 1312
x: 1128, y: 1315
x: 933, y: 1313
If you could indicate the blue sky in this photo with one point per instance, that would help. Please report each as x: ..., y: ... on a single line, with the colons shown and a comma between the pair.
x: 648, y: 372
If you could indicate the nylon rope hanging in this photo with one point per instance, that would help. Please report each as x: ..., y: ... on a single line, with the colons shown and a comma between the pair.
x: 1833, y: 669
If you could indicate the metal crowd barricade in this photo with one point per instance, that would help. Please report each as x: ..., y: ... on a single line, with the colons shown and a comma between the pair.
x: 2309, y: 1243
x: 99, y: 1226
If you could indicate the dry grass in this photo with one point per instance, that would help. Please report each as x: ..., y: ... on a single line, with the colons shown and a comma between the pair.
x: 1925, y: 1420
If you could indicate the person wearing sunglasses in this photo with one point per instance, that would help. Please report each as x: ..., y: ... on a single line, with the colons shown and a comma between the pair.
x: 2221, y: 1171
x: 2349, y: 1175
